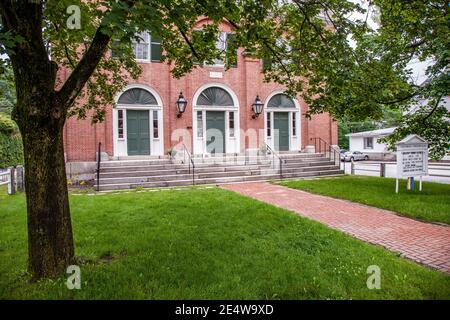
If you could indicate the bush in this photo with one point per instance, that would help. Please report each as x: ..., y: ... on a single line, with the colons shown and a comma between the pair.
x: 11, y: 149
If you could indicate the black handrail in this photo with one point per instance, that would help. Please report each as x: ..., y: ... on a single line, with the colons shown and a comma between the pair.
x: 274, y: 154
x: 191, y: 162
x: 99, y: 160
x: 320, y: 144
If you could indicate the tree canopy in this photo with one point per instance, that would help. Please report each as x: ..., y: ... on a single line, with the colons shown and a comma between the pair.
x: 306, y: 42
x: 306, y: 45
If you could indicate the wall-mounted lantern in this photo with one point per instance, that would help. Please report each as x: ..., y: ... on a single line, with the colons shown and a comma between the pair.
x: 181, y: 105
x: 257, y: 107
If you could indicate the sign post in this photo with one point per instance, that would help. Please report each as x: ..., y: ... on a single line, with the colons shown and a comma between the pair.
x: 412, y: 160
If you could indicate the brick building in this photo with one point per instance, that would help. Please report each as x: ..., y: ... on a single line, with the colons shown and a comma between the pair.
x: 218, y: 116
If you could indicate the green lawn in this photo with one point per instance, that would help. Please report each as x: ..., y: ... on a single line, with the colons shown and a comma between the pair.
x: 207, y: 244
x: 431, y: 204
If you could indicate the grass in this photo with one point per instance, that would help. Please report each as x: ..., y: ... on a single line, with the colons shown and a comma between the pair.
x: 206, y: 244
x: 432, y: 204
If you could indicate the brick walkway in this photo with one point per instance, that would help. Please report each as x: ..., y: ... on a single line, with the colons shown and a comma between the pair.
x: 425, y: 243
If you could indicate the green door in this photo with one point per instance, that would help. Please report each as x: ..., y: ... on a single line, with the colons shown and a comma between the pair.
x: 215, y: 131
x: 138, y: 132
x: 281, y: 128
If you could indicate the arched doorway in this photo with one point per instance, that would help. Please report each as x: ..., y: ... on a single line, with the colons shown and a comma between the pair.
x: 215, y: 120
x: 282, y: 123
x: 138, y: 120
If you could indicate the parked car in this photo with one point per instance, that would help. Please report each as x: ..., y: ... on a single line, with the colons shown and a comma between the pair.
x: 355, y: 156
x: 342, y: 153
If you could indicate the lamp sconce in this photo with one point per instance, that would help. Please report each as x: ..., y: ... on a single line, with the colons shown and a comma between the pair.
x: 181, y: 105
x: 257, y: 107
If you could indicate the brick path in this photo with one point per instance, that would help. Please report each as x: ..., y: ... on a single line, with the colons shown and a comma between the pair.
x: 425, y: 243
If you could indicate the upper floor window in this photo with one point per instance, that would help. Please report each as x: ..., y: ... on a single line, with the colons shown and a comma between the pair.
x: 368, y: 143
x: 284, y: 56
x: 142, y: 47
x: 223, y: 46
x: 147, y: 47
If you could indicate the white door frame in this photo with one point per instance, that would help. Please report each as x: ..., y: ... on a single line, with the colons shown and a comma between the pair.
x: 156, y: 144
x: 294, y: 141
x: 232, y: 144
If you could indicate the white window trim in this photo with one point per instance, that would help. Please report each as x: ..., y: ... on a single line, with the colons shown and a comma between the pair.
x: 124, y: 124
x: 364, y: 143
x: 220, y: 65
x: 293, y: 116
x: 227, y: 116
x: 149, y: 50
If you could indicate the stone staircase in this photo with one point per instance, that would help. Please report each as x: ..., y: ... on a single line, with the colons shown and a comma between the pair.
x: 163, y: 172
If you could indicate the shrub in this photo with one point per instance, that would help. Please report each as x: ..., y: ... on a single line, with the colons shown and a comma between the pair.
x: 11, y: 149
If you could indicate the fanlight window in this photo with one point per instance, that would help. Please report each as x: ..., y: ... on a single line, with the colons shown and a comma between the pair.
x: 281, y: 101
x: 137, y: 96
x: 215, y: 96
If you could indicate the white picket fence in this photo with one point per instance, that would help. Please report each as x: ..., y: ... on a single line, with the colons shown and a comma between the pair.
x: 14, y: 178
x: 437, y: 171
x: 5, y: 177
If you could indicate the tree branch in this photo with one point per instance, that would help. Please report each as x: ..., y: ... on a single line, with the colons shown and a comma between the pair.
x: 66, y: 49
x: 189, y: 43
x: 86, y: 67
x: 409, y: 96
x: 83, y: 71
x: 268, y: 45
x: 432, y: 110
x: 185, y: 37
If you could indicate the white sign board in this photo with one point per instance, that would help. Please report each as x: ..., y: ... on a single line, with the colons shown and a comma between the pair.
x: 412, y: 157
x: 217, y: 75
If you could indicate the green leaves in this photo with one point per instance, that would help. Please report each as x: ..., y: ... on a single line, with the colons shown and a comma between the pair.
x: 7, y: 91
x: 306, y: 42
x: 431, y: 122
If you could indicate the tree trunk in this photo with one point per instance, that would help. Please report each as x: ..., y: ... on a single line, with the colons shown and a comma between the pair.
x: 40, y: 113
x: 50, y: 241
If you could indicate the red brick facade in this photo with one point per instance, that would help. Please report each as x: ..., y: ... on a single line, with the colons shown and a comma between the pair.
x: 246, y: 81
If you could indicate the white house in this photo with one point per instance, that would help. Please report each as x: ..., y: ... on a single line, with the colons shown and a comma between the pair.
x: 367, y: 142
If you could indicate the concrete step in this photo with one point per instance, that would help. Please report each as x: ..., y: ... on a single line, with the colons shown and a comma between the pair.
x: 222, y: 180
x: 178, y: 165
x: 240, y: 158
x: 207, y: 175
x: 299, y: 156
x: 150, y: 171
x: 185, y: 176
x: 181, y: 168
x: 128, y: 163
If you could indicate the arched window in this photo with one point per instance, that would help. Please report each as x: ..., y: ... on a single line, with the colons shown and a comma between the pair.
x: 280, y: 101
x: 137, y: 96
x: 215, y: 96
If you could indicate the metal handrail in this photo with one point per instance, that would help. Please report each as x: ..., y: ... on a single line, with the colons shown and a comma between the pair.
x: 327, y: 148
x: 274, y: 154
x: 99, y: 160
x: 191, y: 162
